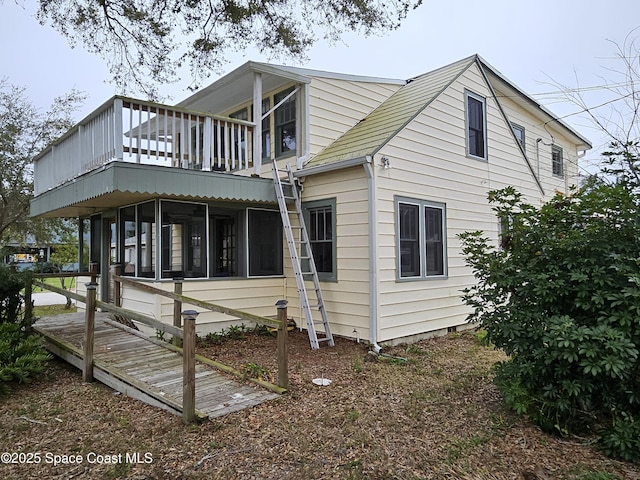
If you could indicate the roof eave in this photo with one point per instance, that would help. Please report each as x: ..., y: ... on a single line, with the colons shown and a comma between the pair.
x: 332, y: 166
x: 582, y: 143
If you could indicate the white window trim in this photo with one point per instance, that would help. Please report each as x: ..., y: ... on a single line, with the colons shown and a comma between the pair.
x: 516, y: 126
x: 561, y: 151
x: 468, y: 94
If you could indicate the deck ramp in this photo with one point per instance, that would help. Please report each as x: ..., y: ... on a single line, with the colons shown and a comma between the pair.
x: 144, y: 369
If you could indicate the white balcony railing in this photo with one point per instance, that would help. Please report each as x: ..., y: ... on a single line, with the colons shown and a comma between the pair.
x: 135, y: 131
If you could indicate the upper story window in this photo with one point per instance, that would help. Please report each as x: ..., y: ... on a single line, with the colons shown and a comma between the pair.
x: 421, y: 239
x: 518, y: 131
x: 285, y: 124
x: 557, y: 167
x: 266, y: 132
x: 476, y: 125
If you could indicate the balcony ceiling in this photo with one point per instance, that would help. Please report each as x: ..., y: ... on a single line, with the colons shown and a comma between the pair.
x: 234, y: 88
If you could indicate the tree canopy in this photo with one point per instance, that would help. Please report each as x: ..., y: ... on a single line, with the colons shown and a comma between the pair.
x: 147, y: 41
x: 24, y: 132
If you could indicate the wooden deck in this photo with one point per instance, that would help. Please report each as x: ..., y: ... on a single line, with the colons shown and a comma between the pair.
x: 144, y: 368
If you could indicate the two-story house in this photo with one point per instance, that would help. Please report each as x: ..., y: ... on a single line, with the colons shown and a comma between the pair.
x: 389, y: 171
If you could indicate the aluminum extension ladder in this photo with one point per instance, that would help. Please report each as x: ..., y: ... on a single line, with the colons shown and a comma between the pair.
x: 301, y: 255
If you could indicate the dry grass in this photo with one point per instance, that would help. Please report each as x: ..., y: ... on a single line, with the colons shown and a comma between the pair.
x: 438, y: 416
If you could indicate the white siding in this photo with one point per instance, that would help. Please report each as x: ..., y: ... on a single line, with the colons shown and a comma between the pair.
x: 337, y: 105
x: 256, y: 295
x: 347, y: 300
x: 429, y: 162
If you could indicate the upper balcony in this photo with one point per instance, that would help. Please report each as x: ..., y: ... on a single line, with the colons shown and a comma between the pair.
x: 135, y: 131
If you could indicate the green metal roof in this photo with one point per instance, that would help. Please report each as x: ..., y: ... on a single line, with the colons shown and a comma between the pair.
x: 120, y: 183
x: 383, y: 123
x: 374, y: 131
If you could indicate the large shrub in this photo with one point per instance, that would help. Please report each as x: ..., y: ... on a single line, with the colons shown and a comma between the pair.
x: 10, y: 299
x: 561, y: 296
x: 21, y: 355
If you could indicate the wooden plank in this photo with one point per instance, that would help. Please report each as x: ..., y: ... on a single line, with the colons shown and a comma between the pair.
x: 122, y: 377
x: 153, y: 369
x: 217, y: 365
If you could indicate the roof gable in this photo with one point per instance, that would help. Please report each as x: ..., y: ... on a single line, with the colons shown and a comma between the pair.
x: 382, y: 124
x: 374, y: 131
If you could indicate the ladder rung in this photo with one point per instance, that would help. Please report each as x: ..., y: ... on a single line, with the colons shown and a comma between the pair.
x: 325, y: 339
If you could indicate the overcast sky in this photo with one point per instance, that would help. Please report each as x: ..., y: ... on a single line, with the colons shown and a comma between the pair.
x: 532, y: 44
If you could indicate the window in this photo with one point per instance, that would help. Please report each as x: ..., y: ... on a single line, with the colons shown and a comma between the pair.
x: 320, y: 220
x: 421, y: 238
x: 225, y: 244
x: 127, y: 240
x: 184, y: 240
x: 265, y: 242
x: 476, y: 126
x: 146, y: 234
x: 556, y: 161
x: 518, y: 131
x: 266, y: 132
x: 285, y: 124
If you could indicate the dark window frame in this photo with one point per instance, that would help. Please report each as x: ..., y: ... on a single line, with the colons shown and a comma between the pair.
x: 322, y: 207
x: 519, y: 128
x: 557, y: 161
x: 476, y: 128
x: 421, y: 251
x: 285, y: 120
x: 255, y: 264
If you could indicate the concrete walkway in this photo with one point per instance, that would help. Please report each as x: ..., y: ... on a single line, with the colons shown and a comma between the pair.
x: 49, y: 298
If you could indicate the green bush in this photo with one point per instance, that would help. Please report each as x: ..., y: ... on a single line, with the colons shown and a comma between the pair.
x: 561, y: 296
x: 21, y: 355
x: 10, y: 299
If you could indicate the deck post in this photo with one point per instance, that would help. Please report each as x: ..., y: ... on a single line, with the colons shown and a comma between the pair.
x: 89, y: 322
x: 177, y: 310
x: 93, y: 271
x: 283, y: 346
x: 116, y: 269
x: 189, y: 366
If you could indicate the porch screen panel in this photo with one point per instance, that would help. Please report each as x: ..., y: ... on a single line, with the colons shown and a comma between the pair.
x: 224, y: 234
x: 265, y: 242
x: 146, y: 234
x: 128, y: 240
x: 184, y: 240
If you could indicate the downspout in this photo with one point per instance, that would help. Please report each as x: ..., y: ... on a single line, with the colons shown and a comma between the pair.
x: 373, y: 257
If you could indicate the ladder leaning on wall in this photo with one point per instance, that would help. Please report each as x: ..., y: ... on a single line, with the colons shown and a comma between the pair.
x: 301, y: 256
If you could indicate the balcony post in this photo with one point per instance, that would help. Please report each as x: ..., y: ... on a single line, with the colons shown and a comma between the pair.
x: 118, y: 137
x: 257, y: 120
x: 206, y: 147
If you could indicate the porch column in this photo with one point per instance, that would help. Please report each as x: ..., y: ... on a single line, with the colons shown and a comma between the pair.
x: 257, y: 120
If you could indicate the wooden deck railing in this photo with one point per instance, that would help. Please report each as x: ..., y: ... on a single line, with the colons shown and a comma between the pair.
x: 186, y: 332
x: 125, y: 129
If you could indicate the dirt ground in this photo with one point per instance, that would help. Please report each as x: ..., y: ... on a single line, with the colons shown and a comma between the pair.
x: 436, y: 415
